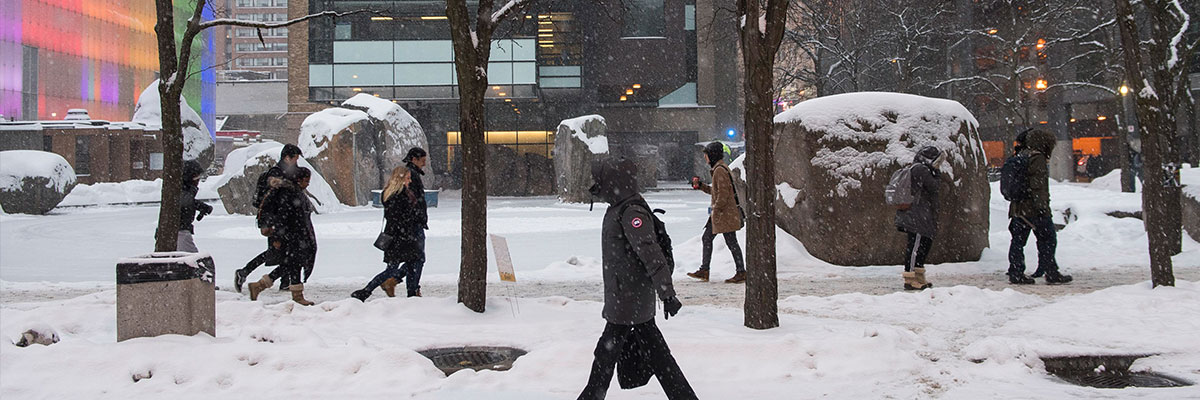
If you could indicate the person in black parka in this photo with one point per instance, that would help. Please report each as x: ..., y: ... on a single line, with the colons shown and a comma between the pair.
x: 415, y: 161
x: 190, y: 209
x: 919, y: 221
x: 286, y: 217
x: 289, y: 157
x: 401, y: 222
x: 636, y: 276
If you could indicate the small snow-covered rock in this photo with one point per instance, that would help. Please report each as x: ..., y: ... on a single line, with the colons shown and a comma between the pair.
x: 578, y: 141
x: 41, y: 334
x: 243, y: 166
x: 33, y: 182
x: 357, y: 146
x: 197, y: 140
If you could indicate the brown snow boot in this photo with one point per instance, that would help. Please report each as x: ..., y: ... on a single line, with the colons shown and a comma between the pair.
x: 739, y: 277
x: 260, y: 285
x: 701, y: 274
x: 910, y: 281
x: 920, y: 275
x: 298, y: 294
x: 389, y: 287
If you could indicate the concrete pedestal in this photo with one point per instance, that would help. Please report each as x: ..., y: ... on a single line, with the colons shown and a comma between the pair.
x: 165, y: 293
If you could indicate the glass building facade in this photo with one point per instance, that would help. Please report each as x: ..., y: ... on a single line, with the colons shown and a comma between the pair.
x: 93, y: 54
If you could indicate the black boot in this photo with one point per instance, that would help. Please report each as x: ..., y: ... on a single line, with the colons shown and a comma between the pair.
x: 1019, y: 278
x: 1056, y: 278
x: 361, y: 295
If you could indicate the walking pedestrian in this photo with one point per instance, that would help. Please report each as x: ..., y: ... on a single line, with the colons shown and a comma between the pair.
x: 287, y: 221
x: 725, y: 214
x: 190, y: 209
x: 919, y: 219
x: 289, y: 157
x: 401, y: 226
x: 415, y: 161
x: 1028, y: 190
x: 636, y: 270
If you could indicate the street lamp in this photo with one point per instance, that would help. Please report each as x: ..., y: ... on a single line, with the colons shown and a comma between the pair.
x: 1124, y: 90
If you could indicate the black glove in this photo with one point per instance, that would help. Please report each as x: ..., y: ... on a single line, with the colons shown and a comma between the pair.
x: 671, y: 307
x: 204, y: 209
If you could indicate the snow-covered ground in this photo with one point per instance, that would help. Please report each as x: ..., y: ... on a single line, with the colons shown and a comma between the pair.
x: 961, y: 342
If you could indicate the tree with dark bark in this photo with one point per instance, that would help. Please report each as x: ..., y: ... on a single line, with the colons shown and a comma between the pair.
x: 1154, y: 68
x: 472, y: 50
x: 761, y: 31
x: 173, y: 64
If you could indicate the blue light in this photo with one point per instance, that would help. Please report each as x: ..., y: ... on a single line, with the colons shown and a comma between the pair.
x: 731, y: 133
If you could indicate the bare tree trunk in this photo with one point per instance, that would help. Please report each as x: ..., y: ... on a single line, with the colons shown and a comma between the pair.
x: 1159, y: 196
x: 165, y: 237
x: 759, y: 45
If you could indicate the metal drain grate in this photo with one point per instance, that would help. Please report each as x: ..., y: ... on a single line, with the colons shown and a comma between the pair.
x: 1107, y: 372
x: 454, y: 359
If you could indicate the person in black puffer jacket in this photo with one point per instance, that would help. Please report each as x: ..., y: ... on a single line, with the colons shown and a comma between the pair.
x: 190, y: 209
x: 919, y: 221
x: 401, y: 222
x: 286, y: 218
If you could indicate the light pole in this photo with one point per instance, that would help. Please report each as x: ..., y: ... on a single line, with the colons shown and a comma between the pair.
x: 1126, y: 124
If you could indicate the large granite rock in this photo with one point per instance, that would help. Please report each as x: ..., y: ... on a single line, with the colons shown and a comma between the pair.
x: 243, y: 166
x: 33, y: 182
x: 1191, y: 211
x: 647, y: 158
x: 198, y: 142
x: 578, y: 142
x: 357, y: 146
x: 834, y: 156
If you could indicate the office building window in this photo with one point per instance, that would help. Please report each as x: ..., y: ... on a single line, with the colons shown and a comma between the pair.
x: 83, y: 156
x: 645, y: 18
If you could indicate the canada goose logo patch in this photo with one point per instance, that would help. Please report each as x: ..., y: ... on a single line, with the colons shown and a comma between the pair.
x: 637, y: 222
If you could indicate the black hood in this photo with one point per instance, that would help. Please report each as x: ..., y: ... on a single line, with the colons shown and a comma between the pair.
x: 927, y: 155
x: 616, y: 179
x: 191, y: 171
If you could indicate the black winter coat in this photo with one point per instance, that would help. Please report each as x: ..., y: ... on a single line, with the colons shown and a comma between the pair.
x: 921, y: 217
x: 402, y: 222
x: 635, y: 268
x: 287, y: 211
x: 188, y: 206
x: 418, y: 189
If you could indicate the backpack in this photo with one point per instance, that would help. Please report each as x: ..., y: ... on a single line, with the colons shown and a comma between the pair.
x: 898, y: 192
x: 660, y: 231
x: 1014, y: 177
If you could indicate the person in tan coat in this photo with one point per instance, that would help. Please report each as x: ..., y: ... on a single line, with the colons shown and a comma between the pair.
x: 725, y: 214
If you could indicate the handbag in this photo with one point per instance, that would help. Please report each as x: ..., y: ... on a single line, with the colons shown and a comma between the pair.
x: 383, y: 241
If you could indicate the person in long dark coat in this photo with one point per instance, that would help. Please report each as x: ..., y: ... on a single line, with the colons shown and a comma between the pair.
x: 190, y: 209
x: 1033, y: 214
x: 286, y: 217
x: 289, y: 158
x: 637, y: 276
x: 401, y: 222
x: 416, y: 160
x: 919, y: 221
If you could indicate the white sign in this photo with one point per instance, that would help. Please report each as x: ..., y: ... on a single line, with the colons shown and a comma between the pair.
x: 503, y: 259
x: 156, y: 161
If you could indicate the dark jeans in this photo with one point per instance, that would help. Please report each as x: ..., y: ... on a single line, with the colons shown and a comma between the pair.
x: 270, y: 256
x: 1047, y: 241
x: 730, y: 241
x: 412, y: 269
x: 650, y: 340
x: 916, y: 256
x: 295, y: 260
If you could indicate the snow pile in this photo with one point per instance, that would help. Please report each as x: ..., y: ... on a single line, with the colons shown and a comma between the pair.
x: 197, y: 140
x: 318, y: 129
x: 1190, y: 178
x: 18, y: 165
x: 1111, y: 182
x: 239, y: 160
x: 886, y: 123
x: 597, y: 144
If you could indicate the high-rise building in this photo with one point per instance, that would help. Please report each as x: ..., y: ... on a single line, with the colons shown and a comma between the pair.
x: 241, y: 54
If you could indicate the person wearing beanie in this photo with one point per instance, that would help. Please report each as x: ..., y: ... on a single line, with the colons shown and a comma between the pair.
x: 289, y: 159
x: 725, y: 214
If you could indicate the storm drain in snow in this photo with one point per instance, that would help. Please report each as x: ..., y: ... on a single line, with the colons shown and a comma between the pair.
x: 1107, y: 372
x: 453, y: 359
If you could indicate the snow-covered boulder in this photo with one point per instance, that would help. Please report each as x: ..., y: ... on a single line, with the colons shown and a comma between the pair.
x: 33, y: 182
x: 356, y: 146
x: 578, y: 142
x: 834, y: 156
x: 240, y: 181
x: 1190, y: 177
x: 510, y: 173
x: 198, y: 143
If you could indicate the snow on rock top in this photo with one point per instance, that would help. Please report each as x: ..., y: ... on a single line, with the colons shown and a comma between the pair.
x: 881, y: 117
x: 596, y: 144
x: 196, y: 137
x: 17, y: 165
x: 1190, y: 178
x: 404, y: 132
x: 319, y: 128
